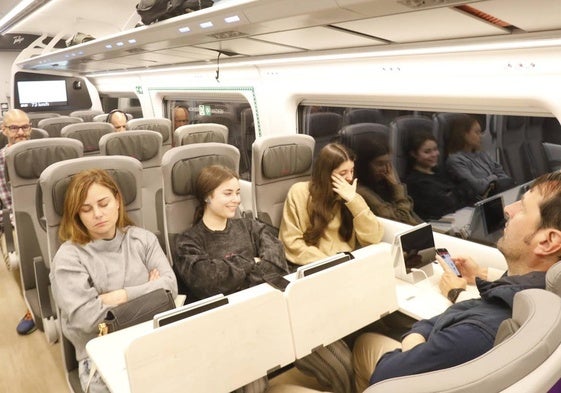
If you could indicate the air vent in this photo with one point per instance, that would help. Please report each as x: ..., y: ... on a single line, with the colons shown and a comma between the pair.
x: 227, y: 34
x: 416, y: 4
x: 484, y: 16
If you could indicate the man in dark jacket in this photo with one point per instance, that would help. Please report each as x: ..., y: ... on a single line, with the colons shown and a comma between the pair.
x: 531, y: 244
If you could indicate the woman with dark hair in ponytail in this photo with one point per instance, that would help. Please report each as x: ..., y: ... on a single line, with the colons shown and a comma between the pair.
x: 326, y: 215
x: 220, y: 253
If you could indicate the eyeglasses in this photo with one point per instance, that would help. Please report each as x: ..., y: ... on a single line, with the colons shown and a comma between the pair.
x: 15, y: 128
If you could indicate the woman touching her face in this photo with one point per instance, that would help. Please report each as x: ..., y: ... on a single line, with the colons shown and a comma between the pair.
x: 326, y: 215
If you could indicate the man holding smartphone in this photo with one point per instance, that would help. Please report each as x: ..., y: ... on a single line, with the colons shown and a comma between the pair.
x: 531, y: 244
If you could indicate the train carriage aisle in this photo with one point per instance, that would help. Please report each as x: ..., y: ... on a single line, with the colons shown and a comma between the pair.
x: 29, y: 363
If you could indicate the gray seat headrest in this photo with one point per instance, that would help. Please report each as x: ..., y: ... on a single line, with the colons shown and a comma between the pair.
x: 30, y: 163
x: 124, y: 179
x: 553, y: 279
x: 286, y: 160
x: 185, y: 172
x: 142, y: 147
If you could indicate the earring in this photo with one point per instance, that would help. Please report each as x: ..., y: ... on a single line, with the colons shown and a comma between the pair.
x: 207, y: 200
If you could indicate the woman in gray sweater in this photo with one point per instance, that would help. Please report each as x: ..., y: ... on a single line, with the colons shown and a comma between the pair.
x: 467, y: 162
x: 104, y: 261
x: 220, y: 253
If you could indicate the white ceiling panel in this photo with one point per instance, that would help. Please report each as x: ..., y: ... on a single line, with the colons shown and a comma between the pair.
x: 86, y: 16
x: 433, y: 24
x: 246, y: 46
x: 535, y: 15
x: 318, y: 38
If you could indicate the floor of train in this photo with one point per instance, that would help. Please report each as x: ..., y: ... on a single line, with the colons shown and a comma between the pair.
x: 29, y: 363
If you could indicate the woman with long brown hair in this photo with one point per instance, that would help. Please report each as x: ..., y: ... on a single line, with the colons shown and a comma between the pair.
x: 326, y: 215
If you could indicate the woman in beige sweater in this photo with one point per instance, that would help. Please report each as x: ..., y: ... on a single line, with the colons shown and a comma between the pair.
x: 326, y: 215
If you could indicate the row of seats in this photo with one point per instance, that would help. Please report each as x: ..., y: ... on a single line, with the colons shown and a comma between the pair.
x: 179, y: 169
x: 26, y: 161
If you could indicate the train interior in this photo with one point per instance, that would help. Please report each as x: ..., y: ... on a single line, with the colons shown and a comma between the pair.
x: 264, y: 69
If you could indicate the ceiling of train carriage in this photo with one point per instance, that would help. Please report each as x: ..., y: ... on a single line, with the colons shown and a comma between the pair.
x: 254, y: 28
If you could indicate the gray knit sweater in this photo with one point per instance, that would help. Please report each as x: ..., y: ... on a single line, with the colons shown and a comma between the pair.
x: 80, y: 273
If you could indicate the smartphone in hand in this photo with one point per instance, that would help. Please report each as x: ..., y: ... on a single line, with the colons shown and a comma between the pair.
x: 444, y: 254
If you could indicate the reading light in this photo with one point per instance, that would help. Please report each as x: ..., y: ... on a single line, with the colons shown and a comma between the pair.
x: 23, y: 9
x: 206, y: 25
x: 184, y: 29
x: 232, y: 19
x: 120, y: 43
x: 109, y: 46
x: 132, y: 41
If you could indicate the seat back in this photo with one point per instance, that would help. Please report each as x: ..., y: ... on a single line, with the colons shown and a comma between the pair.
x: 537, y: 316
x: 88, y: 133
x: 277, y: 163
x: 54, y: 181
x: 536, y: 150
x: 36, y: 117
x: 511, y: 144
x: 180, y: 168
x: 126, y: 171
x: 354, y: 135
x: 54, y: 125
x: 161, y: 125
x: 200, y: 133
x: 86, y: 115
x: 363, y: 115
x: 25, y: 162
x: 145, y: 146
x: 400, y: 131
x: 323, y: 127
x: 247, y: 126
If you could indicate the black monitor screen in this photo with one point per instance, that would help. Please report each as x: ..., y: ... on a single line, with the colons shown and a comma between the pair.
x: 493, y: 215
x: 418, y: 248
x: 42, y: 93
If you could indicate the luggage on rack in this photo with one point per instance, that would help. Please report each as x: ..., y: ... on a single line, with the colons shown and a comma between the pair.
x: 152, y: 11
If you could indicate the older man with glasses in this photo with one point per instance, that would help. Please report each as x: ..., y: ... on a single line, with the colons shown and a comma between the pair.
x: 17, y: 128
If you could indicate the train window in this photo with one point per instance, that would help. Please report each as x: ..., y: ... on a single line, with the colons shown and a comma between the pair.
x: 234, y: 113
x: 524, y: 146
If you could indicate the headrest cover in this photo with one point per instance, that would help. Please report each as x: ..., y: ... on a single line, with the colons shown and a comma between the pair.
x: 185, y: 172
x: 30, y: 163
x: 89, y: 139
x: 141, y: 147
x: 324, y: 124
x: 124, y: 179
x: 152, y: 126
x: 202, y: 137
x: 515, y: 122
x: 553, y: 279
x: 286, y: 160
